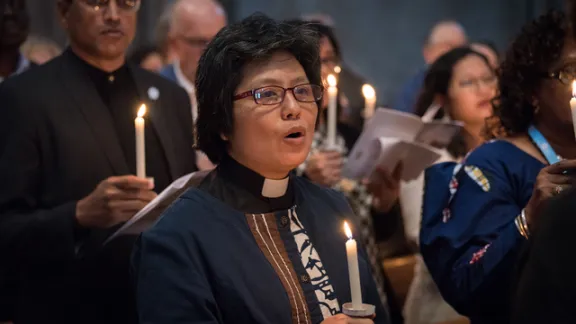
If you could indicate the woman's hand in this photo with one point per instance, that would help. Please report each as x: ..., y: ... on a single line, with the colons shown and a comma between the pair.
x: 385, y: 188
x: 324, y: 168
x: 550, y: 181
x: 343, y: 319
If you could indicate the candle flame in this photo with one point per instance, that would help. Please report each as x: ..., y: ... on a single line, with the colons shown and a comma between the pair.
x: 331, y: 80
x: 574, y: 89
x: 347, y: 230
x: 368, y: 91
x: 142, y: 111
x: 337, y: 69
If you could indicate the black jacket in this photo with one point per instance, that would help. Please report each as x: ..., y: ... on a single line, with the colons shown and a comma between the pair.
x: 57, y: 142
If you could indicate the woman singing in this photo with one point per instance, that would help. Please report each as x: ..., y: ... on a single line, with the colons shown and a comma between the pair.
x: 252, y: 243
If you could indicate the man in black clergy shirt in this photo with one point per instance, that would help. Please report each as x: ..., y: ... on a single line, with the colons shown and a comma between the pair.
x: 67, y: 165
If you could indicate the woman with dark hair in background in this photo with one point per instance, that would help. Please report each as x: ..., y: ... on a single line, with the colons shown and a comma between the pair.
x: 147, y: 57
x: 458, y: 86
x: 374, y: 202
x: 252, y: 243
x: 478, y: 214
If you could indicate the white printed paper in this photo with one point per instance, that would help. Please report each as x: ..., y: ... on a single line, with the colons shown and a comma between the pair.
x: 391, y: 137
x: 139, y: 222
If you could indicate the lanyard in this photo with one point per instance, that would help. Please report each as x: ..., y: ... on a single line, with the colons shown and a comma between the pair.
x: 543, y: 145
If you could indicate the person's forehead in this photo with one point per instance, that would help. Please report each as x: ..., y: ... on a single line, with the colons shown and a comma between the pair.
x: 447, y: 33
x: 279, y: 66
x: 470, y: 65
x: 196, y: 23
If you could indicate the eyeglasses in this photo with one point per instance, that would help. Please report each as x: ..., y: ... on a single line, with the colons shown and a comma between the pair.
x: 564, y: 76
x: 124, y: 5
x: 273, y: 95
x: 476, y: 82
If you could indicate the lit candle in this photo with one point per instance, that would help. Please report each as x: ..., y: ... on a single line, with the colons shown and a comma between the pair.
x: 369, y: 101
x: 139, y: 124
x: 337, y: 69
x: 332, y: 103
x: 573, y: 105
x: 353, y: 269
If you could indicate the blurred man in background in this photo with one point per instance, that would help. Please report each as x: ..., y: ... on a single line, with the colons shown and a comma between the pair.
x: 67, y: 165
x: 14, y: 29
x: 193, y: 24
x: 443, y: 37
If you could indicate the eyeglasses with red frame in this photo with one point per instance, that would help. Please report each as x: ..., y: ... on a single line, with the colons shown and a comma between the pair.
x: 273, y: 95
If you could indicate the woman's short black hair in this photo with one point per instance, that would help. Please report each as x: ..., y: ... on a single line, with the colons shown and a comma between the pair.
x: 437, y: 82
x: 220, y: 71
x: 531, y: 54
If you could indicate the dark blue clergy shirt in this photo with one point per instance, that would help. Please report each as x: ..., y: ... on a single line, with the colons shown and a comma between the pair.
x: 222, y: 253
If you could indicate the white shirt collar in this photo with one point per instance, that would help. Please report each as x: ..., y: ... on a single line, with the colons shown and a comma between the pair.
x: 182, y: 79
x: 274, y: 188
x: 23, y: 65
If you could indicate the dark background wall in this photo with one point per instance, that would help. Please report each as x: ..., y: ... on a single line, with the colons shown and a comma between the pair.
x: 381, y: 39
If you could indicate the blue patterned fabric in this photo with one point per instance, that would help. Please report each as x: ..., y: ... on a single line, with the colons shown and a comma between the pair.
x: 468, y: 238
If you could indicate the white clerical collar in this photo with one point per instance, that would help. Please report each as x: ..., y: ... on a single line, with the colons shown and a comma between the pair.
x: 275, y: 188
x: 183, y: 80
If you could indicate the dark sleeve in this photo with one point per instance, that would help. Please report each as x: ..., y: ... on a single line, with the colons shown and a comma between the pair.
x: 171, y: 282
x: 185, y: 115
x: 386, y: 224
x: 28, y: 231
x: 408, y: 95
x: 469, y: 241
x: 546, y: 290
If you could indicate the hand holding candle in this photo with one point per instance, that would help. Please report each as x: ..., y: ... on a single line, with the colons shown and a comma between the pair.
x: 573, y: 105
x: 139, y: 124
x: 332, y: 118
x: 369, y: 101
x: 353, y: 269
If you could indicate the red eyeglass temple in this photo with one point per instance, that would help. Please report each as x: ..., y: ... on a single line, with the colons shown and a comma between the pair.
x: 242, y: 95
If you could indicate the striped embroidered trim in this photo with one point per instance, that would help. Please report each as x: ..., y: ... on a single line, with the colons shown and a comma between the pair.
x: 300, y: 298
x: 272, y: 252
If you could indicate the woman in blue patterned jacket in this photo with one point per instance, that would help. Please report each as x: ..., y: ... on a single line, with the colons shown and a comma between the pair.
x: 477, y: 214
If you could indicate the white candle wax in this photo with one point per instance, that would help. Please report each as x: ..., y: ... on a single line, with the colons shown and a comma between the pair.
x: 369, y: 101
x: 332, y: 104
x: 573, y: 106
x: 353, y: 269
x: 139, y: 125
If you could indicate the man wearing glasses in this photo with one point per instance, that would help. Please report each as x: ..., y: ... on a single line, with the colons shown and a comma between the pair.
x: 67, y: 165
x: 193, y: 24
x: 14, y: 28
